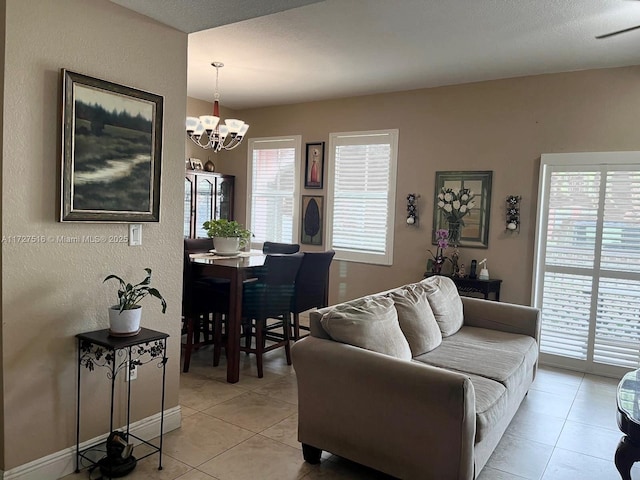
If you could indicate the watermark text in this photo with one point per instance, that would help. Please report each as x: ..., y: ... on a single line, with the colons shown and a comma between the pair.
x: 58, y: 239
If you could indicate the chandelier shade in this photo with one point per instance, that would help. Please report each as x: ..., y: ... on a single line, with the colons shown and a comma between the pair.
x: 207, y: 132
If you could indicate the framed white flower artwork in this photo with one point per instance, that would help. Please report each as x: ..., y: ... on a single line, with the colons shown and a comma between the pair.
x: 462, y: 203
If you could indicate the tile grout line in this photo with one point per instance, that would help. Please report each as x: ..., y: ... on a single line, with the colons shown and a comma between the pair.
x: 564, y: 424
x: 566, y: 419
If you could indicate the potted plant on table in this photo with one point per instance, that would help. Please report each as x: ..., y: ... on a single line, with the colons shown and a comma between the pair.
x: 228, y: 235
x: 124, y: 318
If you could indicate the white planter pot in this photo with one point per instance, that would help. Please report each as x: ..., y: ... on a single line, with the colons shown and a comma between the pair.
x: 125, y: 323
x: 226, y: 244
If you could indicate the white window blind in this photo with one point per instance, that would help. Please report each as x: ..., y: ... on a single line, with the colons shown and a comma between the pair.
x: 272, y: 194
x: 362, y: 185
x: 588, y: 260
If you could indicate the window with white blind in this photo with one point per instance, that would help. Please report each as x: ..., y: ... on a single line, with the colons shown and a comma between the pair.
x: 587, y: 261
x: 361, y: 195
x: 272, y: 189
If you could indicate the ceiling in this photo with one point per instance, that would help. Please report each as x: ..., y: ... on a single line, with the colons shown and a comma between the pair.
x: 341, y: 48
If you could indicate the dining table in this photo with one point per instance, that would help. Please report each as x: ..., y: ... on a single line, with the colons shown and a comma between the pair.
x: 236, y: 268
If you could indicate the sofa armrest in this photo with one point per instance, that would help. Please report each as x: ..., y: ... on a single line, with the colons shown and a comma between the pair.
x: 506, y: 317
x: 401, y: 417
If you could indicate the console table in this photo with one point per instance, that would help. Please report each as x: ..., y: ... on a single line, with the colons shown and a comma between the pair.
x: 475, y: 285
x: 628, y: 417
x: 115, y: 354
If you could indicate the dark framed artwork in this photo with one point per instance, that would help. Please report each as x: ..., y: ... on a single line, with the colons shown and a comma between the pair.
x: 314, y: 166
x: 111, y: 151
x: 475, y: 231
x: 312, y: 219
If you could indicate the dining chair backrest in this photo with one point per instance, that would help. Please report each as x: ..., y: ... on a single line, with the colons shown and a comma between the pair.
x: 312, y: 281
x: 273, y: 247
x: 198, y: 245
x: 191, y: 245
x: 271, y: 295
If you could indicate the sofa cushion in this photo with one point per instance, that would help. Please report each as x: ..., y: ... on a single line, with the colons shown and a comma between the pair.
x: 416, y: 319
x: 487, y: 338
x: 370, y: 323
x: 492, y: 402
x: 504, y: 357
x: 445, y: 303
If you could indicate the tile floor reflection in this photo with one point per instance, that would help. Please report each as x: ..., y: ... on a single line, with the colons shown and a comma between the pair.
x: 565, y: 429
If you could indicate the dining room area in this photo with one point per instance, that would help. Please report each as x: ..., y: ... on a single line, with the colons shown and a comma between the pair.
x: 241, y: 304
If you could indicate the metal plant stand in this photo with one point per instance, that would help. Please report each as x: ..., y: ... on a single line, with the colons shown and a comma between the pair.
x: 99, y: 349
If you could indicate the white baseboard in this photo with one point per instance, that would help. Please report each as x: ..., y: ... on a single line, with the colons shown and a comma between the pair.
x: 63, y: 463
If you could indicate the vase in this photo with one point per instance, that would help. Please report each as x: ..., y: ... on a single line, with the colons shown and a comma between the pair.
x: 124, y: 323
x: 226, y: 245
x: 454, y: 232
x: 437, y: 265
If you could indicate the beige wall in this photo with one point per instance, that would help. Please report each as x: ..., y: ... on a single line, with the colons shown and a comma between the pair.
x: 502, y: 125
x: 52, y: 291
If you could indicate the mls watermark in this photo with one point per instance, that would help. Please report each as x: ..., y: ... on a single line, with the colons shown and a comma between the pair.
x: 58, y: 239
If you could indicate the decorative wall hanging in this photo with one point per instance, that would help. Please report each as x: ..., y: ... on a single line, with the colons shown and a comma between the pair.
x: 314, y: 167
x: 312, y: 220
x: 111, y: 151
x: 513, y: 213
x: 462, y: 204
x: 412, y: 209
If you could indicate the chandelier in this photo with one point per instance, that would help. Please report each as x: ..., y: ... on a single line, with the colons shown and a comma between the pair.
x: 206, y: 131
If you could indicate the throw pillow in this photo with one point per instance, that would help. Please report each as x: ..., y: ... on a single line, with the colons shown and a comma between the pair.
x: 371, y: 323
x: 445, y: 302
x: 416, y: 319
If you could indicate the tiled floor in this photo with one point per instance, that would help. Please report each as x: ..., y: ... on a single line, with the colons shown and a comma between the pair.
x: 564, y: 430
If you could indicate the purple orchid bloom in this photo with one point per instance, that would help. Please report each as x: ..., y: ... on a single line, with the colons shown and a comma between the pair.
x: 442, y: 237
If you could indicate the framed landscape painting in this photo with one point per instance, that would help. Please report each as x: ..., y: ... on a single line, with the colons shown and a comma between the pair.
x: 112, y: 151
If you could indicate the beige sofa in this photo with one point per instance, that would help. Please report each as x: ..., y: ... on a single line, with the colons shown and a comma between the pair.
x: 416, y: 382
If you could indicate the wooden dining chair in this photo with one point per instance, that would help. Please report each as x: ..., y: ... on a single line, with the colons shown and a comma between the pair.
x: 311, y: 286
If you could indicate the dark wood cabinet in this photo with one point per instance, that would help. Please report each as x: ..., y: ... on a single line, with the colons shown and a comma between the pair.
x: 207, y: 196
x: 467, y: 285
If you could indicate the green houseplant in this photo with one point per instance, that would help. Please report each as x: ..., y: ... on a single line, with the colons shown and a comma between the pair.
x: 228, y: 235
x: 124, y: 318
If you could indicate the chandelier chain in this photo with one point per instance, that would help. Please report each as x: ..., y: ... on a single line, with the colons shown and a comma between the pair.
x: 216, y: 95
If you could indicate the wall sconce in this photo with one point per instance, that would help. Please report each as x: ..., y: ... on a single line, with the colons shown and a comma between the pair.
x: 513, y: 213
x: 412, y: 209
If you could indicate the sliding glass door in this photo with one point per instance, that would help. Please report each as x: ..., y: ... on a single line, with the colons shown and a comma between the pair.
x: 587, y: 261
